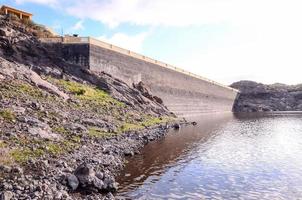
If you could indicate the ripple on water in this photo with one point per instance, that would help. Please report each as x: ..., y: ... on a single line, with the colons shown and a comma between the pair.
x: 225, y: 157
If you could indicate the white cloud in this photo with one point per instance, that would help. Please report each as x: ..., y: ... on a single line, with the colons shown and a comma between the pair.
x: 263, y: 41
x: 178, y: 12
x: 131, y: 42
x: 78, y: 26
x: 45, y: 2
x: 156, y: 12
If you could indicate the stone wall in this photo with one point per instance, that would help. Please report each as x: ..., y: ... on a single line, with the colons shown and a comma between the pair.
x: 185, y: 95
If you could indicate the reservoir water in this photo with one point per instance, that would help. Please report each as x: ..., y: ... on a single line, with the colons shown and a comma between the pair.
x: 223, y: 157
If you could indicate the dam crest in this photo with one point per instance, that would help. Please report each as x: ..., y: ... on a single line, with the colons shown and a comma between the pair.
x: 184, y: 93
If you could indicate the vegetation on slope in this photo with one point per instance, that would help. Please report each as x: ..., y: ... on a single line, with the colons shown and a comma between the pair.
x: 40, y: 106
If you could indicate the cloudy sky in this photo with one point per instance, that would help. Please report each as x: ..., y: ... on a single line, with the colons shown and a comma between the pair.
x: 224, y: 40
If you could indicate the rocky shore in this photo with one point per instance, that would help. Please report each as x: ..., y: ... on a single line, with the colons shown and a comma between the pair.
x: 65, y: 131
x: 258, y: 97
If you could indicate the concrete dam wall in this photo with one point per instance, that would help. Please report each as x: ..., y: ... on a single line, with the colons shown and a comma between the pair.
x: 185, y: 94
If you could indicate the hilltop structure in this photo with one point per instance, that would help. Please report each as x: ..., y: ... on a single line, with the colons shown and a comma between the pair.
x: 13, y: 11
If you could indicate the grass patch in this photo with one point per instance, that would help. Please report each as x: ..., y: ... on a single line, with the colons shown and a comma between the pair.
x: 22, y: 90
x: 7, y: 115
x: 147, y: 122
x: 54, y: 149
x: 5, y: 157
x: 61, y: 130
x: 24, y: 154
x: 70, y: 145
x: 98, y: 133
x: 88, y: 93
x: 29, y: 90
x: 76, y: 139
x: 130, y: 127
x: 2, y: 144
x: 42, y: 148
x: 151, y: 121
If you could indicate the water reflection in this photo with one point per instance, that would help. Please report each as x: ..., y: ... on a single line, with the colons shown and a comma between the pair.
x: 224, y: 157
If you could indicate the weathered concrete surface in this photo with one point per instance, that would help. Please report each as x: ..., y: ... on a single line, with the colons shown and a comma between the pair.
x: 77, y: 54
x: 184, y: 95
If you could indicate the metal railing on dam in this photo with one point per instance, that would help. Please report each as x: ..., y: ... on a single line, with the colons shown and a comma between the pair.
x: 105, y: 45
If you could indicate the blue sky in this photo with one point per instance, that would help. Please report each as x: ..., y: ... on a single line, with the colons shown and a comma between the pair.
x: 224, y: 40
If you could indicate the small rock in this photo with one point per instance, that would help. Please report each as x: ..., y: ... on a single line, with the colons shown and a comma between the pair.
x: 128, y: 153
x: 73, y: 181
x: 84, y: 173
x: 176, y: 126
x: 19, y: 110
x: 7, y: 195
x: 35, y: 105
x: 100, y: 175
x: 110, y: 185
x: 158, y: 100
x: 7, y: 186
x: 76, y: 127
x: 99, y: 184
x: 194, y: 123
x: 44, y: 133
x: 58, y: 195
x: 5, y: 169
x: 18, y: 170
x: 95, y: 122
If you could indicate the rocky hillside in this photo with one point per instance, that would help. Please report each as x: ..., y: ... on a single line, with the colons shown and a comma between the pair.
x: 257, y: 97
x: 64, y: 130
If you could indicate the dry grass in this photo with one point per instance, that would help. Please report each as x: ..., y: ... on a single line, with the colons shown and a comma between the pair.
x: 5, y: 157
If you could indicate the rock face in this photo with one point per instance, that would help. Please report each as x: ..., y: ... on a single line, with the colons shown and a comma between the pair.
x: 143, y: 89
x: 257, y: 97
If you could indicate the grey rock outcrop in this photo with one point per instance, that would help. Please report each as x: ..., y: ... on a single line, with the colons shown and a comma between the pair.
x: 258, y: 97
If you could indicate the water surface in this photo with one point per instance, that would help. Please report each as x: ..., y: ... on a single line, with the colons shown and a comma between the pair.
x: 224, y: 157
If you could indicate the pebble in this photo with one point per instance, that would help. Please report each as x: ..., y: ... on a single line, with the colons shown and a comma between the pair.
x: 7, y: 195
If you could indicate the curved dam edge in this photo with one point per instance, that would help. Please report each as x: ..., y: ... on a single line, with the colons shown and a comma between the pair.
x: 185, y: 94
